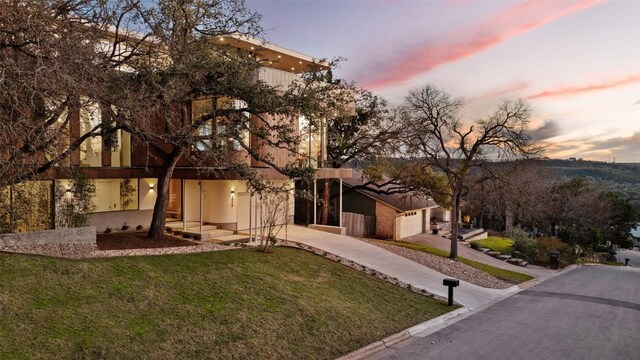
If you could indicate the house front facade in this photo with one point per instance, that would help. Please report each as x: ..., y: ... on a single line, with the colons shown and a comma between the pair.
x: 212, y: 202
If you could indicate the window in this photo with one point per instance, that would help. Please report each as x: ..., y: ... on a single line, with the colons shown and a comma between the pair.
x: 91, y: 148
x: 205, y: 131
x: 221, y: 135
x: 115, y: 195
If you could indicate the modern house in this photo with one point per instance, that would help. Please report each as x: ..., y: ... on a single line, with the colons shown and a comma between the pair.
x: 212, y: 204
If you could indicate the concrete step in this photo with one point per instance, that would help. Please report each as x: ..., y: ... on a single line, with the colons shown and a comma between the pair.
x: 204, y: 227
x: 206, y: 235
x: 479, y: 236
x: 494, y: 253
x: 229, y: 239
x: 484, y: 250
x: 504, y: 257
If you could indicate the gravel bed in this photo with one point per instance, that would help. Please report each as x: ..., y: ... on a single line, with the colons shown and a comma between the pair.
x: 83, y: 251
x: 446, y: 266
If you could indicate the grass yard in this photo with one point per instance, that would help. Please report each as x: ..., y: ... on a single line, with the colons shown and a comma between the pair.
x: 234, y: 304
x: 496, y: 243
x: 506, y: 275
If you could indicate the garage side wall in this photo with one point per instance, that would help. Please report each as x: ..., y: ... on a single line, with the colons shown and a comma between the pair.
x: 385, y: 221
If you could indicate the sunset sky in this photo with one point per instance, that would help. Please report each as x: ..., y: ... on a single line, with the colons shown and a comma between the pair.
x: 576, y: 62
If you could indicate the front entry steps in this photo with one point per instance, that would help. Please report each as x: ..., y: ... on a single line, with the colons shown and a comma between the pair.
x: 228, y: 239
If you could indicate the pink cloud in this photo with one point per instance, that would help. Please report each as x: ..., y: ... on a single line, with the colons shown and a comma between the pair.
x: 508, y: 89
x: 507, y: 23
x: 578, y: 90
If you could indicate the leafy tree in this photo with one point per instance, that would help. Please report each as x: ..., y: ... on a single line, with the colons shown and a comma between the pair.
x: 435, y: 135
x: 50, y: 70
x: 185, y: 61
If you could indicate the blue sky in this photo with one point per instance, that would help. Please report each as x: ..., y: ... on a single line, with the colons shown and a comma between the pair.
x: 576, y: 62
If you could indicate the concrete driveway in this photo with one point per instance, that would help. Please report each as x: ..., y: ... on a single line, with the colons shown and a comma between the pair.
x: 632, y: 255
x: 592, y: 312
x: 405, y: 270
x: 465, y: 251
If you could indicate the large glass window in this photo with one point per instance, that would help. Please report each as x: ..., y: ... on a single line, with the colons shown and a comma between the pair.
x: 174, y: 206
x: 217, y: 130
x: 116, y: 195
x: 121, y: 151
x: 26, y: 207
x: 310, y: 142
x: 91, y: 148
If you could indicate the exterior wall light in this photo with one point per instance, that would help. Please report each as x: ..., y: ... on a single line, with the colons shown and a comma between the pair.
x: 151, y: 187
x: 233, y: 192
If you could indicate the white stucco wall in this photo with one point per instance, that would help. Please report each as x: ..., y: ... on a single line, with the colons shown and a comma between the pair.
x: 147, y: 197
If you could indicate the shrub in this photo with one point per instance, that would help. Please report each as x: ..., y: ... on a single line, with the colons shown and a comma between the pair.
x: 139, y: 227
x: 524, y: 246
x: 546, y: 244
x: 124, y: 227
x: 475, y: 245
x: 107, y: 230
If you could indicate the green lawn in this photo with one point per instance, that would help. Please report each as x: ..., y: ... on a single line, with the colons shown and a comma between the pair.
x: 506, y: 275
x: 233, y: 304
x: 496, y: 243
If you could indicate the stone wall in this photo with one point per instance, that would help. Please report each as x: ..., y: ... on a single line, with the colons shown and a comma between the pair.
x: 82, y: 235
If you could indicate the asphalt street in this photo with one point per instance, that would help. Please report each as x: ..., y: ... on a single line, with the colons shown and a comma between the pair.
x: 592, y: 312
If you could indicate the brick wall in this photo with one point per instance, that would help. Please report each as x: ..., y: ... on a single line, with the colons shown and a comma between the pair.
x: 386, y: 224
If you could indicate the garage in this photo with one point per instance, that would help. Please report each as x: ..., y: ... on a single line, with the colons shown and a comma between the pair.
x: 411, y: 223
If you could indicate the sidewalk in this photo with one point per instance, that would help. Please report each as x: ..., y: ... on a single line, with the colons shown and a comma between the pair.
x: 405, y: 270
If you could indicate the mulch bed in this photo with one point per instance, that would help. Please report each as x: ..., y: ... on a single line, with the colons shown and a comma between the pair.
x: 125, y: 241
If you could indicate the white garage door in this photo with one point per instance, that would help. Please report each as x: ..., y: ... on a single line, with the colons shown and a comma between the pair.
x: 411, y: 223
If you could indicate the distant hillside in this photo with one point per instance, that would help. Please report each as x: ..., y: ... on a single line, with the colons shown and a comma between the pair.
x: 622, y: 178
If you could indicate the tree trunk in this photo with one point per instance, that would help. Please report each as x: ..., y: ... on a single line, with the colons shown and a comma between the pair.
x: 156, y: 229
x: 455, y: 209
x: 324, y: 219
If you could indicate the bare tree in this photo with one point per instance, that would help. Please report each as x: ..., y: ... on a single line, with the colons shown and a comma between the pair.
x: 436, y: 136
x: 273, y: 208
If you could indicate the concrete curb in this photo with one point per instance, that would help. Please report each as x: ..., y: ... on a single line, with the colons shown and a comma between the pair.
x: 414, y: 331
x: 436, y: 324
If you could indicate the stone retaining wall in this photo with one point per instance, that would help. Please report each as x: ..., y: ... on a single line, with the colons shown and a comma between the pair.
x: 82, y: 235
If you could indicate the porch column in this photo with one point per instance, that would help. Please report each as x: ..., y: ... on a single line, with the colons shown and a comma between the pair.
x: 340, y: 214
x: 315, y: 199
x: 250, y: 230
x: 201, y: 201
x: 256, y: 213
x: 184, y: 205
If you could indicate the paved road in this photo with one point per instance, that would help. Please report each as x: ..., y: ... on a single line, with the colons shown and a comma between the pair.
x: 592, y: 312
x: 632, y: 255
x: 393, y: 265
x: 465, y: 251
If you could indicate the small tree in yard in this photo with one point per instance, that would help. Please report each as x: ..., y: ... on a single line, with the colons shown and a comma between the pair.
x: 436, y: 138
x: 273, y: 207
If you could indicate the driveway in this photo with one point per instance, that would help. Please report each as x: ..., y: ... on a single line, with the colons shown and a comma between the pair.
x: 632, y: 255
x: 405, y: 270
x: 475, y: 255
x: 592, y: 312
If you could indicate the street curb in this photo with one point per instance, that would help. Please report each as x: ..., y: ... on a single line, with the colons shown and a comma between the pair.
x: 436, y: 324
x: 403, y: 335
